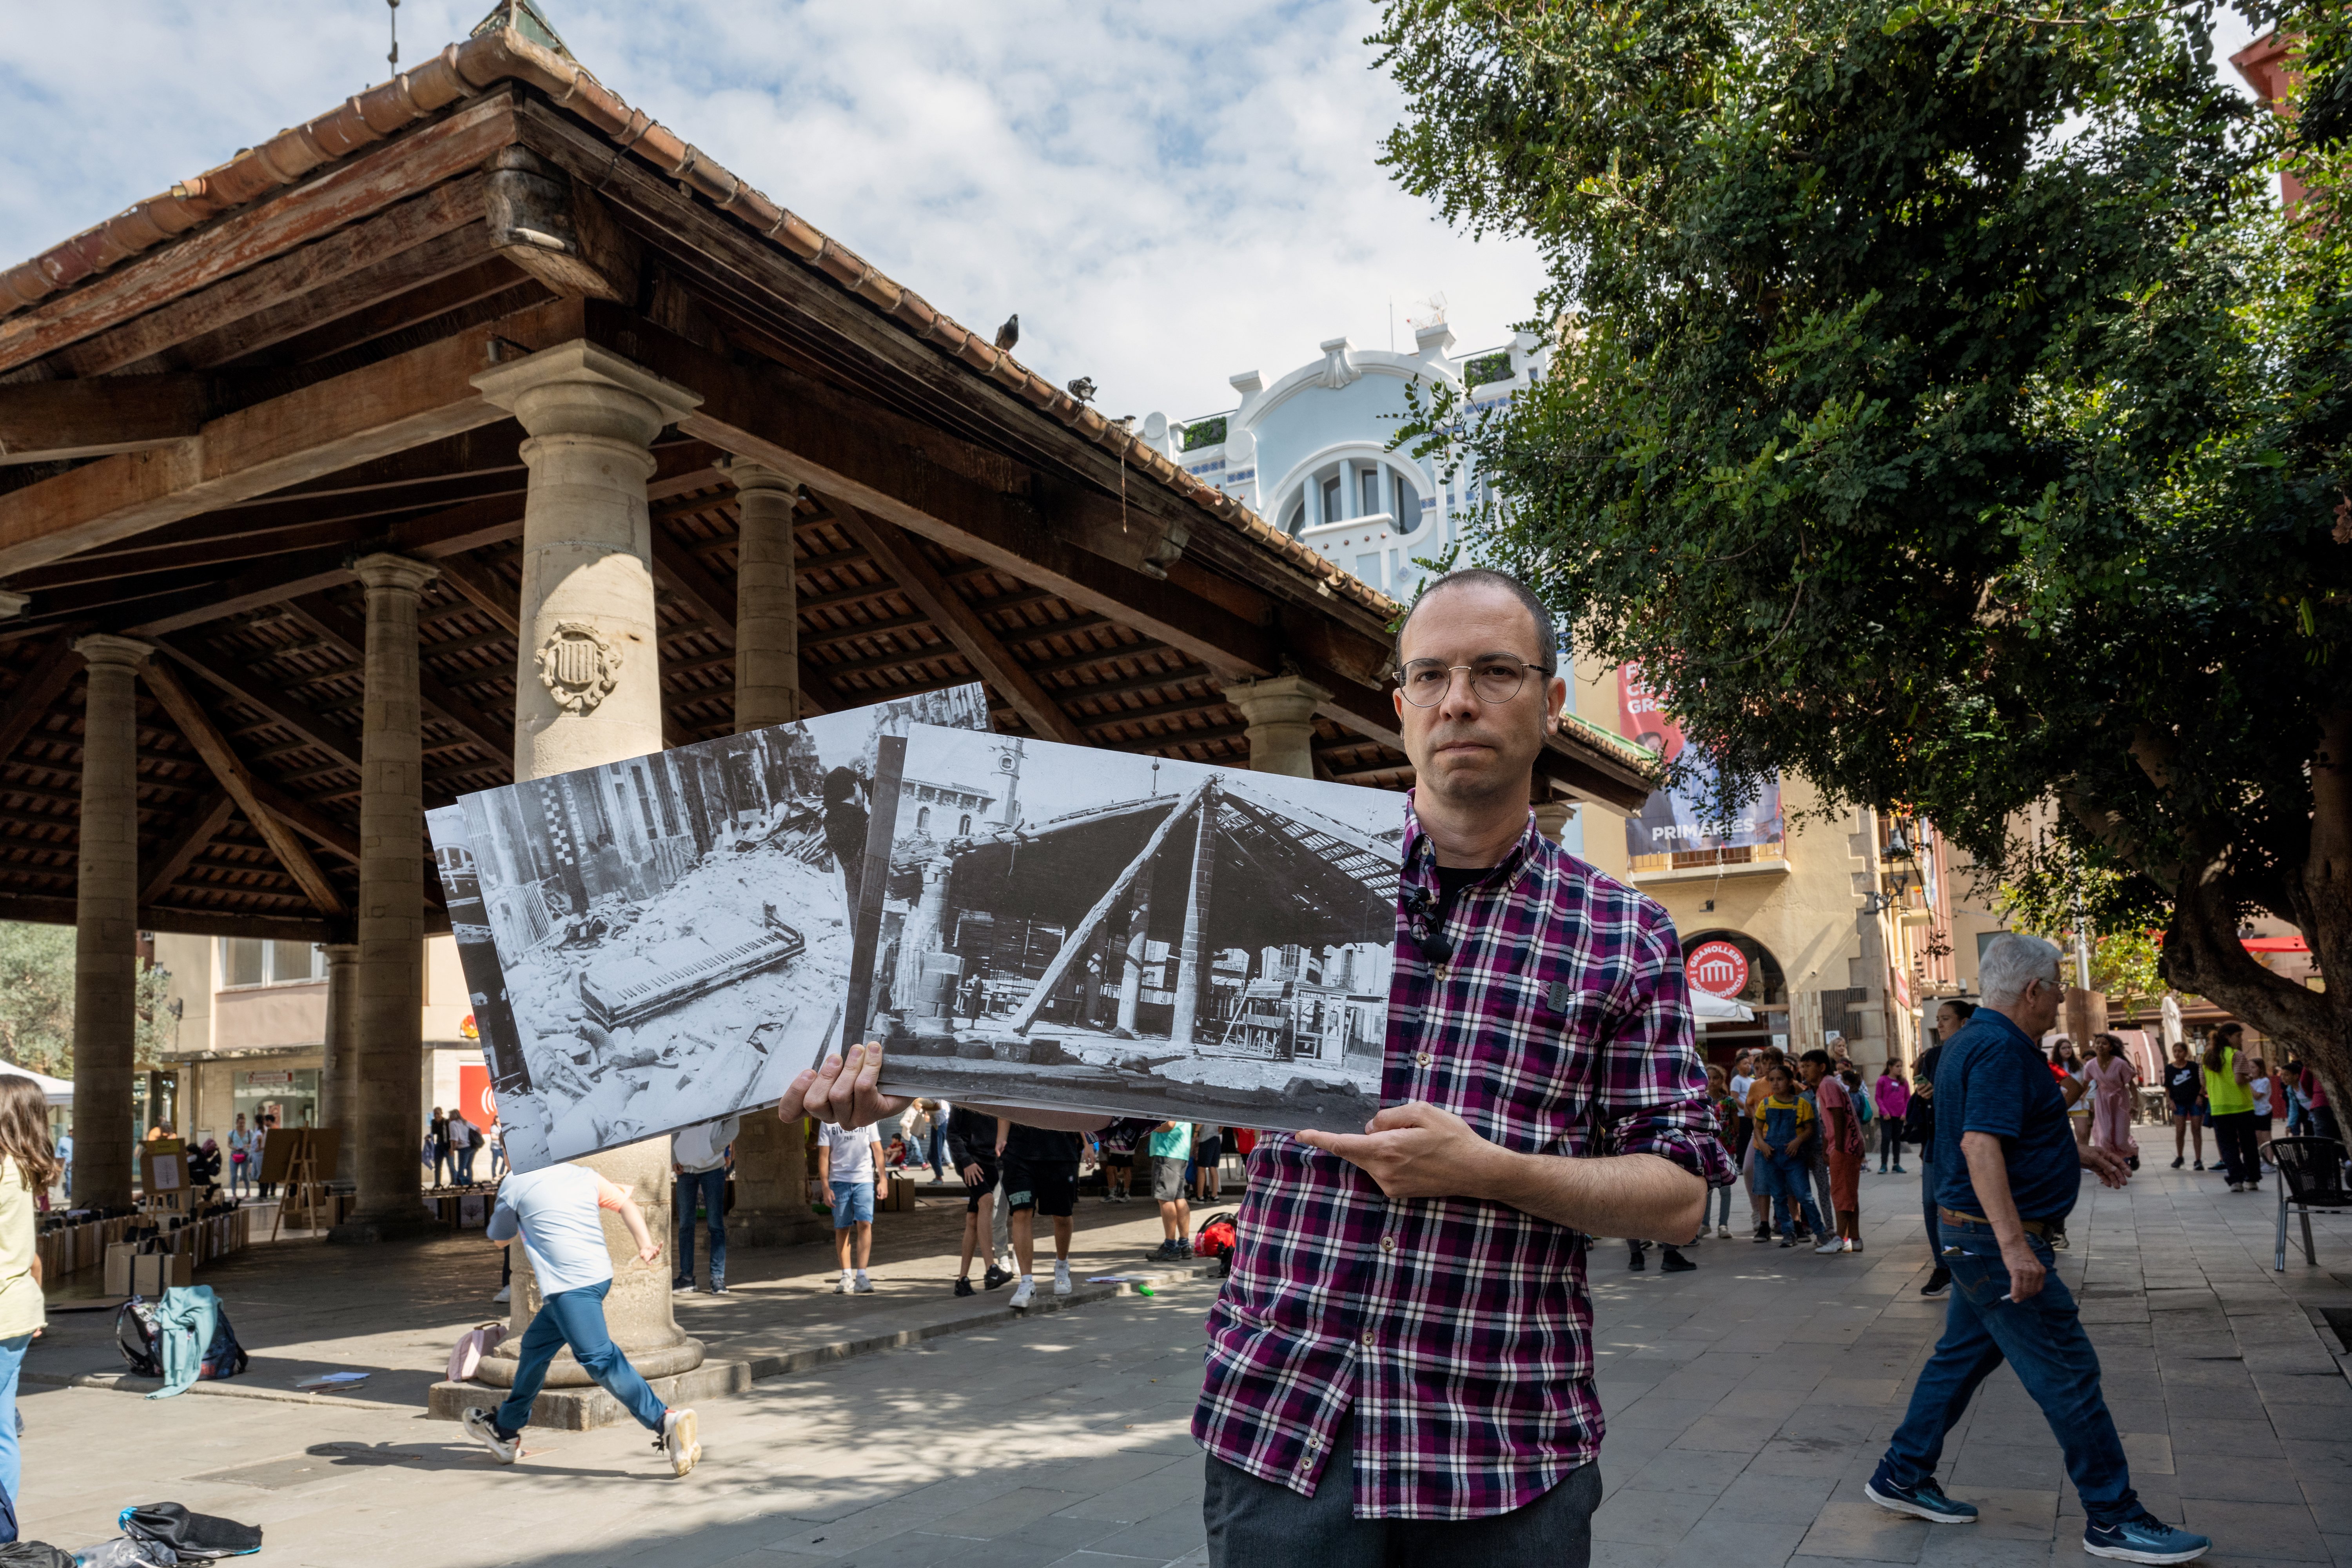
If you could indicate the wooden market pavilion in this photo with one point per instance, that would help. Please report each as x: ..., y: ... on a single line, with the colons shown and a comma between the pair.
x: 482, y: 414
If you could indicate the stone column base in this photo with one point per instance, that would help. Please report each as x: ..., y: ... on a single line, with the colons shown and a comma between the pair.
x: 497, y: 1368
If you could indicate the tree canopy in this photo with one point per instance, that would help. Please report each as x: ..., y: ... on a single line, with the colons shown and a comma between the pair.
x: 37, y: 1001
x: 1942, y: 407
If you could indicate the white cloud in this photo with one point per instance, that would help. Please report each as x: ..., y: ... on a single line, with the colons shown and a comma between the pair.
x: 1168, y: 195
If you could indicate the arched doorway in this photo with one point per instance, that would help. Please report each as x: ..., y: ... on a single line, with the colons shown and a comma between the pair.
x: 1756, y: 980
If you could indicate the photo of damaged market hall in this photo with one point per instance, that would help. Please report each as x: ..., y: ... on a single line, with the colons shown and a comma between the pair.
x: 1062, y: 927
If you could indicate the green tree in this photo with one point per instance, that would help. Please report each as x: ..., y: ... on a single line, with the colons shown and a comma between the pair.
x: 1943, y: 409
x: 36, y: 1002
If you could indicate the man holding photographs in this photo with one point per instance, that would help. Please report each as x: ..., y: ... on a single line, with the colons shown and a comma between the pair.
x: 1400, y: 1366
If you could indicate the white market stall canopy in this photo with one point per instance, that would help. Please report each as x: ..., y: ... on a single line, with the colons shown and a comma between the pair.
x: 59, y: 1090
x: 1709, y: 1008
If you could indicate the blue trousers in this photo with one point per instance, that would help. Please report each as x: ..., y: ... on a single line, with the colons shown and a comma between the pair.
x: 575, y: 1318
x: 12, y: 1362
x: 709, y: 1189
x: 2042, y: 1338
x: 1786, y: 1178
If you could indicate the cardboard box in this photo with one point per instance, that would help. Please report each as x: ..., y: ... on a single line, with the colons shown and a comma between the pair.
x: 901, y: 1198
x: 129, y: 1272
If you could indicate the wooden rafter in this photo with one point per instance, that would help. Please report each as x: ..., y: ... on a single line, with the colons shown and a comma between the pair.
x: 269, y: 697
x: 957, y: 620
x: 210, y: 815
x: 37, y: 694
x: 197, y: 728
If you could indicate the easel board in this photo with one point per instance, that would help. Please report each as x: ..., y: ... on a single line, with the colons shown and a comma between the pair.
x: 285, y: 1145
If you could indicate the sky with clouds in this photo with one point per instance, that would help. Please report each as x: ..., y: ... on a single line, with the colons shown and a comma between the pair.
x: 1168, y: 195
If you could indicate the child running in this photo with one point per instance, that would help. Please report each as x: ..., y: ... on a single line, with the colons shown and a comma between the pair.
x: 555, y: 1212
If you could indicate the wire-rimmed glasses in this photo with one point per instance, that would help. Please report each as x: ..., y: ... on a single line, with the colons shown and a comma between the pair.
x: 1426, y: 681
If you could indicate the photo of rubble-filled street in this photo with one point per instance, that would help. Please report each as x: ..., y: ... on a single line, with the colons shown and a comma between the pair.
x: 1131, y: 934
x: 672, y: 932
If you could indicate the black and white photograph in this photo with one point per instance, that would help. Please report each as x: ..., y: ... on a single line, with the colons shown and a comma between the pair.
x: 672, y: 934
x: 1086, y: 929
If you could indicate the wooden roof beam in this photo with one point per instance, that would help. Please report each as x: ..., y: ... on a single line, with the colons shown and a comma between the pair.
x: 45, y: 911
x: 173, y: 857
x: 269, y: 697
x: 400, y: 402
x: 36, y: 694
x: 50, y: 421
x: 348, y: 633
x: 957, y: 621
x: 197, y: 728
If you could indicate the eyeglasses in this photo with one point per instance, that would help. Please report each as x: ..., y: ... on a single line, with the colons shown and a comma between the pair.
x: 1426, y: 681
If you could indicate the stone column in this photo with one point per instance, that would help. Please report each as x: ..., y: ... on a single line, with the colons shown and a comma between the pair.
x: 388, y: 1014
x: 767, y: 616
x: 1553, y: 818
x: 1280, y: 714
x: 588, y: 691
x: 772, y: 1206
x: 339, y: 1082
x: 106, y: 936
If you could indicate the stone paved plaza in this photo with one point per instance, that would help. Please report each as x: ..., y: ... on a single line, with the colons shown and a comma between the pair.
x: 1748, y: 1402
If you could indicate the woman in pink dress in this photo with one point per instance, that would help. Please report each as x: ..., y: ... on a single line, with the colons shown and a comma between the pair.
x: 2112, y: 1076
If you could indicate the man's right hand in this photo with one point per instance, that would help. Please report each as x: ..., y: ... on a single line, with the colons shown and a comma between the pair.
x: 841, y: 1091
x: 2025, y: 1270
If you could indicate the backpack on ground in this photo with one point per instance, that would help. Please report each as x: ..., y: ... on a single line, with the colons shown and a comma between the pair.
x: 138, y: 1338
x: 1217, y: 1238
x: 194, y: 1537
x: 225, y: 1357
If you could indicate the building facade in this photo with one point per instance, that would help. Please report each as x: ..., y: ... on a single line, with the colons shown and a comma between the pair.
x: 253, y: 1032
x: 1309, y: 450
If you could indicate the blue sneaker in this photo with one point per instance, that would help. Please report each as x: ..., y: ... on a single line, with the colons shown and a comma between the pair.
x: 1926, y: 1500
x: 2144, y: 1538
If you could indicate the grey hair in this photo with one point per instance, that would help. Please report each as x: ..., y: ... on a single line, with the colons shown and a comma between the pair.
x: 2011, y: 963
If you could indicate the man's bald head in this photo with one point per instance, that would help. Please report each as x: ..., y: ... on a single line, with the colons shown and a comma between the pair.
x: 1546, y: 643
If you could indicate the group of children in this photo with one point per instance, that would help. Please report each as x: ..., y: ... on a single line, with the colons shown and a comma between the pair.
x: 1795, y: 1127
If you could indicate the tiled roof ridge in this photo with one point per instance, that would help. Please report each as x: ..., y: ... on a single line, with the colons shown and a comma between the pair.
x: 468, y: 70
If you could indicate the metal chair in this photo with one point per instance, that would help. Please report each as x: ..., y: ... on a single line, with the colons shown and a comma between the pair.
x: 2310, y: 1176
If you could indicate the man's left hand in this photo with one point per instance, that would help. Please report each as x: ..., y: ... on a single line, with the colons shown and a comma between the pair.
x: 1417, y: 1151
x: 2111, y: 1167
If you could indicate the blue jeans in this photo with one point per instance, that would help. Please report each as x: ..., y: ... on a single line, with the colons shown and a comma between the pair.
x: 1786, y: 1178
x: 709, y: 1189
x: 2042, y: 1339
x: 853, y: 1203
x: 1723, y: 1205
x: 575, y: 1318
x: 12, y: 1362
x: 465, y: 1158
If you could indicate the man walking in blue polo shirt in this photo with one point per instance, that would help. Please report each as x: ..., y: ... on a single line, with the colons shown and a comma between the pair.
x: 2007, y: 1170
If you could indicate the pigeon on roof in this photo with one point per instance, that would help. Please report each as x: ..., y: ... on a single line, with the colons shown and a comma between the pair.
x: 1083, y: 389
x: 524, y: 17
x: 1009, y: 333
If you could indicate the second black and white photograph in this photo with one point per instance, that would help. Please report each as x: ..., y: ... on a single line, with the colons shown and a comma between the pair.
x: 673, y: 933
x: 1081, y: 928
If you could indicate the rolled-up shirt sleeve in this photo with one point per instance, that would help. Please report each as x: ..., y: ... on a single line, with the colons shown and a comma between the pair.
x: 1650, y: 1087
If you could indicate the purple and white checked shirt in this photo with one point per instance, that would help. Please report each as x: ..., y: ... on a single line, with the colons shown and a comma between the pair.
x: 1459, y: 1329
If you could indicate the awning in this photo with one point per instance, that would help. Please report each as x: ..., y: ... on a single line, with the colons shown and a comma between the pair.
x: 59, y: 1090
x: 1709, y: 1008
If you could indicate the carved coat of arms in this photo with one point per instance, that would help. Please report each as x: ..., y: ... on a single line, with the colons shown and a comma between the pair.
x: 579, y: 666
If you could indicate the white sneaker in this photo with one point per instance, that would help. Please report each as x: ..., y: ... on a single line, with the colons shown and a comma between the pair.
x: 478, y: 1423
x: 1022, y: 1294
x: 864, y: 1284
x: 1835, y: 1243
x: 842, y: 1287
x: 1061, y: 1276
x: 505, y: 1294
x: 1723, y: 1233
x: 678, y: 1440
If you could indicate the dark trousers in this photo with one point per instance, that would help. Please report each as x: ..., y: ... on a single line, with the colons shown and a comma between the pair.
x: 2041, y: 1339
x: 1254, y: 1524
x: 2238, y: 1134
x: 1890, y: 1142
x: 440, y: 1161
x: 1927, y: 1207
x: 708, y: 1188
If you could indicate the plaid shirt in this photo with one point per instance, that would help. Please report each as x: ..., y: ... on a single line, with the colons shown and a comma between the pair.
x: 1460, y: 1330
